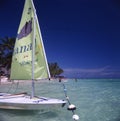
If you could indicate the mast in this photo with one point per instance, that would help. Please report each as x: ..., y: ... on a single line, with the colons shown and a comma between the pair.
x: 35, y: 21
x: 33, y: 50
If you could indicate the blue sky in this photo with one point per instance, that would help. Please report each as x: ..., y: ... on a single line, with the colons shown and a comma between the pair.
x: 82, y: 36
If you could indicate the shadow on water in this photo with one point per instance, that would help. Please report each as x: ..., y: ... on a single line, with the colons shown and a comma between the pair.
x: 50, y: 114
x: 41, y: 113
x: 18, y: 112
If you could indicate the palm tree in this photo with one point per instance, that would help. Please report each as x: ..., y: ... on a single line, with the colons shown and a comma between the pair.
x: 6, y: 51
x: 55, y: 70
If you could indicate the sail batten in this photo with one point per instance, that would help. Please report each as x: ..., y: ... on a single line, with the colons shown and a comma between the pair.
x: 29, y: 59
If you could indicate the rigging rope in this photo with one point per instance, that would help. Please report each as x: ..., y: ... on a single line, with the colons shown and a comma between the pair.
x: 9, y: 89
x: 16, y: 87
x: 71, y: 107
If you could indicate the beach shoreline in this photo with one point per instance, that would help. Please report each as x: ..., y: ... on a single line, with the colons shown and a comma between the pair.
x: 6, y: 81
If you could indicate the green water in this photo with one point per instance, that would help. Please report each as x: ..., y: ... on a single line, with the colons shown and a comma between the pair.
x: 95, y: 99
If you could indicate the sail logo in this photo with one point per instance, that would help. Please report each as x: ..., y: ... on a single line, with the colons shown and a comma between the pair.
x: 26, y: 30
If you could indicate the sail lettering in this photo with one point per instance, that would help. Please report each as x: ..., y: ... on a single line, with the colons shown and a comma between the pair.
x: 23, y: 63
x: 23, y: 49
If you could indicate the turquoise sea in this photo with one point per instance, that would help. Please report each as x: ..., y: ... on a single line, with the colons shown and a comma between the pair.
x: 95, y: 99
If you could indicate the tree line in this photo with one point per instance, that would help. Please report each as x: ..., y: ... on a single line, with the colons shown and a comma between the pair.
x: 6, y: 51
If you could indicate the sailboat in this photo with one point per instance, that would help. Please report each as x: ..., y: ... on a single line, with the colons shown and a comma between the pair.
x: 29, y: 62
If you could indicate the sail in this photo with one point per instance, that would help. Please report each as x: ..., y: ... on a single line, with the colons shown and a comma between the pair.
x: 29, y: 42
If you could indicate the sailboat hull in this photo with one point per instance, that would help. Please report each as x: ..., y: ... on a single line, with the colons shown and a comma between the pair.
x: 24, y: 102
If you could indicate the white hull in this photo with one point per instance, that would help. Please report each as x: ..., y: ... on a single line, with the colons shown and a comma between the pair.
x: 24, y: 102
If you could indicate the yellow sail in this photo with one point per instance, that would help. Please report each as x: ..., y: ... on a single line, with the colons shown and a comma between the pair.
x: 29, y: 39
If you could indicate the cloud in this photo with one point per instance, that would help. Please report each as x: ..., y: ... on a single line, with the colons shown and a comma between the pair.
x: 104, y: 72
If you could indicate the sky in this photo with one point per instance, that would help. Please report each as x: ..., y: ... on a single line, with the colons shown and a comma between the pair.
x: 82, y: 36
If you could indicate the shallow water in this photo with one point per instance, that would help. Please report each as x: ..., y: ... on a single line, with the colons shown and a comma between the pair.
x: 95, y: 99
